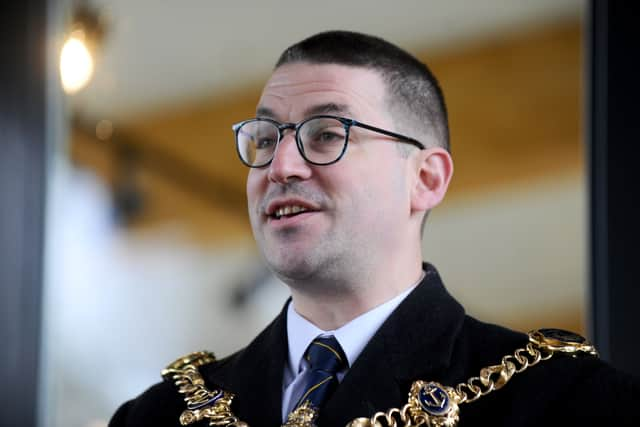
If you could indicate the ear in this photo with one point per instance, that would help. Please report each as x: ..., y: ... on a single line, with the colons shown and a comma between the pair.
x: 433, y: 170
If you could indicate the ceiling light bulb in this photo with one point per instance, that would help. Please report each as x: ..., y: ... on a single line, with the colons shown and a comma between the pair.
x: 76, y: 63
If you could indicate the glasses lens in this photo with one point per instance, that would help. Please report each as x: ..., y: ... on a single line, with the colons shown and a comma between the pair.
x: 323, y: 139
x: 257, y: 140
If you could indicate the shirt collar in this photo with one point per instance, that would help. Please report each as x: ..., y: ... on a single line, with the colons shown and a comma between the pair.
x: 353, y: 336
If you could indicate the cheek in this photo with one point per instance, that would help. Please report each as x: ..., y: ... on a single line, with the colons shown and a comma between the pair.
x: 385, y: 188
x: 359, y: 193
x: 255, y: 191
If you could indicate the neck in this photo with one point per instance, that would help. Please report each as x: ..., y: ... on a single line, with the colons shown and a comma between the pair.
x: 329, y: 310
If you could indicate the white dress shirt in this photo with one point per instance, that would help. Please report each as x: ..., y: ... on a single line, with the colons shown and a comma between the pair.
x: 353, y: 337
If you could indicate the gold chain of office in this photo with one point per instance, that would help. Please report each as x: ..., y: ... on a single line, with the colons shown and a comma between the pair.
x: 430, y: 404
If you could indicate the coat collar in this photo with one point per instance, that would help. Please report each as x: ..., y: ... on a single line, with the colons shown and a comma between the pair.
x: 415, y: 342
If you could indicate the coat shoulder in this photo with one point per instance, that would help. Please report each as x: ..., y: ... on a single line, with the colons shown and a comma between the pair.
x: 482, y: 344
x: 567, y: 388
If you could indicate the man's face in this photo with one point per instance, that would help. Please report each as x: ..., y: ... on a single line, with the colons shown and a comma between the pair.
x: 336, y: 221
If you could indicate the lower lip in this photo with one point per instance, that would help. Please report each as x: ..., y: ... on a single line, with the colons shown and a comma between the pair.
x: 290, y: 221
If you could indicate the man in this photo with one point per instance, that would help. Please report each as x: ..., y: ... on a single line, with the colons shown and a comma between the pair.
x: 348, y: 153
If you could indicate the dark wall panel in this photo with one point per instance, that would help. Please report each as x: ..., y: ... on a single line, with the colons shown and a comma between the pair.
x: 615, y: 135
x: 22, y: 171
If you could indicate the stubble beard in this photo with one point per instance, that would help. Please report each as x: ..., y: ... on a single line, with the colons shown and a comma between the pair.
x: 326, y: 269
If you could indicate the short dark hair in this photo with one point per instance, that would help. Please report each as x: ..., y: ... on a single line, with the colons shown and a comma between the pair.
x: 415, y: 98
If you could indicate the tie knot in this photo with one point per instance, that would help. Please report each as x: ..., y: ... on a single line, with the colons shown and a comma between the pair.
x: 325, y: 354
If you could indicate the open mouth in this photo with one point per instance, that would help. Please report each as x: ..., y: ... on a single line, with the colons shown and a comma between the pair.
x: 288, y: 211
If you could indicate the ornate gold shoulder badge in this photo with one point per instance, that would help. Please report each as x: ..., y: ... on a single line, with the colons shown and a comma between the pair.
x: 434, y: 405
x: 202, y: 403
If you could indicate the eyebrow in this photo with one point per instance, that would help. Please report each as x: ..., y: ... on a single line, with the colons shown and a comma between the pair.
x: 265, y: 112
x: 327, y: 108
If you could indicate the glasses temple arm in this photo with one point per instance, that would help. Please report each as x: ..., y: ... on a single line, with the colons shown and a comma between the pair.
x: 389, y: 133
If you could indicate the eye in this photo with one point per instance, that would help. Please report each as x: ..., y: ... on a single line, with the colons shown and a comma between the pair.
x: 264, y: 142
x: 328, y: 137
x: 324, y: 131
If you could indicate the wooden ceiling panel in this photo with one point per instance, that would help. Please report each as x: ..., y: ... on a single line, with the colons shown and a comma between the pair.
x: 515, y: 108
x: 201, y: 134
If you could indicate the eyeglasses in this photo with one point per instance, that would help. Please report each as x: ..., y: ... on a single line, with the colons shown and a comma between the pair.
x: 321, y: 140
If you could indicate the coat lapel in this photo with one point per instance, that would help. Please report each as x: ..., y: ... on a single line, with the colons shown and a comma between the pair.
x: 415, y: 342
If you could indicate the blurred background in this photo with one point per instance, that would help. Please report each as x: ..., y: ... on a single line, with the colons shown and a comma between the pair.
x: 149, y: 253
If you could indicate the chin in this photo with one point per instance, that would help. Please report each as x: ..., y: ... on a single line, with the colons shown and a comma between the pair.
x: 292, y: 271
x: 307, y: 274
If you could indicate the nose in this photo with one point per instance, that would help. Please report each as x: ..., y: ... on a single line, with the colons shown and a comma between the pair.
x: 287, y: 163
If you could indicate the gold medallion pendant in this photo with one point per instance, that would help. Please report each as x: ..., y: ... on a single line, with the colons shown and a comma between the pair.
x: 303, y: 416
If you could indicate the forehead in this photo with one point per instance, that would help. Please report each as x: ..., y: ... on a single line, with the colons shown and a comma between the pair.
x: 298, y: 90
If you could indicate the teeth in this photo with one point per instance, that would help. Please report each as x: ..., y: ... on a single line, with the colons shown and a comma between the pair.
x: 288, y: 210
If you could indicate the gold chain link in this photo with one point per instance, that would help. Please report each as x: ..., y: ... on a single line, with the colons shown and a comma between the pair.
x: 495, y: 377
x: 491, y: 378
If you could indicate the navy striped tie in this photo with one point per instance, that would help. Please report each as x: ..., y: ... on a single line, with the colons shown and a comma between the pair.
x: 326, y: 359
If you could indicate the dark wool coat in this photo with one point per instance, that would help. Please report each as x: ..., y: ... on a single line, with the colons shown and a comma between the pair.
x: 427, y: 337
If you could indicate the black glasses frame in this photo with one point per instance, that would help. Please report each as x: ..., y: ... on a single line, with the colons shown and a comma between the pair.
x: 346, y: 122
